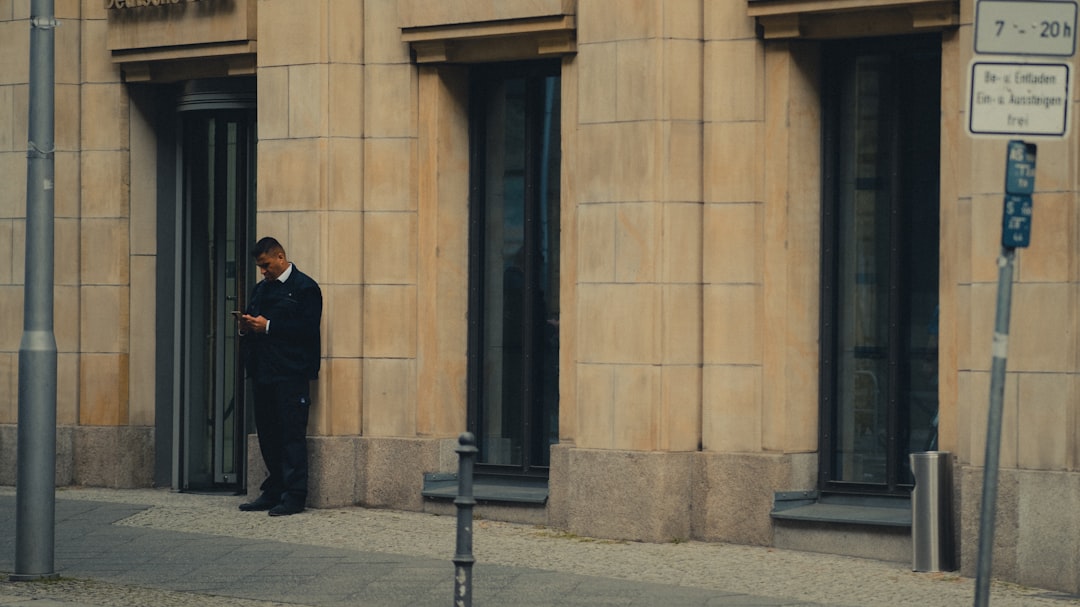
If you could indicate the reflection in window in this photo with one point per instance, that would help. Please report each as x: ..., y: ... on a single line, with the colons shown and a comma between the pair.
x: 881, y: 238
x: 516, y: 250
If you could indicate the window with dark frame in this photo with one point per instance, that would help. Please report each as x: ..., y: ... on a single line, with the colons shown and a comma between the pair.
x: 880, y: 256
x: 515, y: 155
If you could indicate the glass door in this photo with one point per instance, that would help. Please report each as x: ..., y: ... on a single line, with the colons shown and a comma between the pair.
x: 216, y: 215
x: 514, y: 274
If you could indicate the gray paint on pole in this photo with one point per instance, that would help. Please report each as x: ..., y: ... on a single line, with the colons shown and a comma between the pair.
x: 988, y: 511
x: 35, y: 506
x: 1019, y: 181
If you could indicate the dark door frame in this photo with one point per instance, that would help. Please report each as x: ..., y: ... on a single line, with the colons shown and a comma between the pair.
x: 195, y: 322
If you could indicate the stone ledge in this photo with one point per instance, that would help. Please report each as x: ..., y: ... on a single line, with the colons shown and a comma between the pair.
x: 843, y: 509
x: 489, y: 488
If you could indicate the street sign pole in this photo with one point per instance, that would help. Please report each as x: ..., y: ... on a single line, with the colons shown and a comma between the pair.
x: 1020, y: 86
x: 988, y: 511
x: 1015, y: 232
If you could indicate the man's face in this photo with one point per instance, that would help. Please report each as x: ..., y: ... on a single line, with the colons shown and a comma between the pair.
x: 272, y: 264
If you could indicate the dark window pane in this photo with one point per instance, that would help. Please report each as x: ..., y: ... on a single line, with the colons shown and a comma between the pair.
x: 880, y: 281
x: 516, y: 252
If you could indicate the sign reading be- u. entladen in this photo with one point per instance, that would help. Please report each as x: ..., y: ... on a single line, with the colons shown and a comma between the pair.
x: 1019, y: 99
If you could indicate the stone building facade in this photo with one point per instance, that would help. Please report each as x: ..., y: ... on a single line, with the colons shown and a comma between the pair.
x: 686, y: 268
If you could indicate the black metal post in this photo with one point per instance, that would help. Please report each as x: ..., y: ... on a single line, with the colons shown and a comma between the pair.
x: 463, y: 557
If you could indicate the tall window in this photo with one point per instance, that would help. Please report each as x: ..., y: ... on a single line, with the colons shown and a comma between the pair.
x: 514, y: 264
x: 880, y: 260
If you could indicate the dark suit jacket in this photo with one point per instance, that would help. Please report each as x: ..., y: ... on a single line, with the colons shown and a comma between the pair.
x: 291, y: 350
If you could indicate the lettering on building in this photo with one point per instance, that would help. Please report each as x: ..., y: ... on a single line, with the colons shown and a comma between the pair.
x: 121, y: 4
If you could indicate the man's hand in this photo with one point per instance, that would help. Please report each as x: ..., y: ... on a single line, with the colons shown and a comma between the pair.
x: 254, y: 324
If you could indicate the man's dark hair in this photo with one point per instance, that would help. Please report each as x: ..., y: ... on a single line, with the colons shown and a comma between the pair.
x: 266, y: 246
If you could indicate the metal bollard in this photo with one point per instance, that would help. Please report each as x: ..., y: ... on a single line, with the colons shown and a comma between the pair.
x: 463, y: 558
x: 931, y: 512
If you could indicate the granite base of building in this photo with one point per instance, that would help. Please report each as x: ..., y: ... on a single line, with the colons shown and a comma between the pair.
x: 727, y: 497
x: 366, y: 471
x: 96, y: 456
x: 868, y: 542
x: 627, y: 495
x: 661, y: 497
x: 733, y: 493
x: 1036, y: 531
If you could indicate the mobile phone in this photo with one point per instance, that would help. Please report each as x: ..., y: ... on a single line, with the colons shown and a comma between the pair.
x: 236, y: 313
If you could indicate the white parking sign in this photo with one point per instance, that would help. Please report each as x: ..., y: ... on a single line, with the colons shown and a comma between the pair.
x: 1026, y: 27
x: 1010, y: 99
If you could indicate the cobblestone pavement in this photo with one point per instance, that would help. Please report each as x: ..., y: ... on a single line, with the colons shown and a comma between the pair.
x: 128, y: 548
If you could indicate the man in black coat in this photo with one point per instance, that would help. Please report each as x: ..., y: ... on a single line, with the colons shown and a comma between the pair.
x: 281, y: 349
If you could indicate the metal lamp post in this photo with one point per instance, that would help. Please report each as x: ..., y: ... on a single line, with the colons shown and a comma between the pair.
x: 35, y: 514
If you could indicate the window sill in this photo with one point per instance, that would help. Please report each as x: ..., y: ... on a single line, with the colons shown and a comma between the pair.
x: 527, y: 491
x: 810, y: 506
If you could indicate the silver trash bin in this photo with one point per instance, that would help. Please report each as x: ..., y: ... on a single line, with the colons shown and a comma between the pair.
x: 931, y: 512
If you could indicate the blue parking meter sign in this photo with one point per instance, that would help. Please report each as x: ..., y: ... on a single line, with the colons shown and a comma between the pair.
x: 1020, y: 168
x: 1019, y: 186
x: 1016, y: 223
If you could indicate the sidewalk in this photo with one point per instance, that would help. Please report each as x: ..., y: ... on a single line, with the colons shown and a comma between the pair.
x: 150, y: 548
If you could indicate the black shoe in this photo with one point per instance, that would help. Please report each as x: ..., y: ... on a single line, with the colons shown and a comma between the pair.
x: 264, y: 502
x: 285, y: 509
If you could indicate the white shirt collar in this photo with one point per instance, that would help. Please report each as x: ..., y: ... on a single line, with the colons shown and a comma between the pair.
x: 286, y: 274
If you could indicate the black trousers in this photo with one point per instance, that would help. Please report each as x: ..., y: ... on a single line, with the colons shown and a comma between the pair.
x: 281, y: 418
